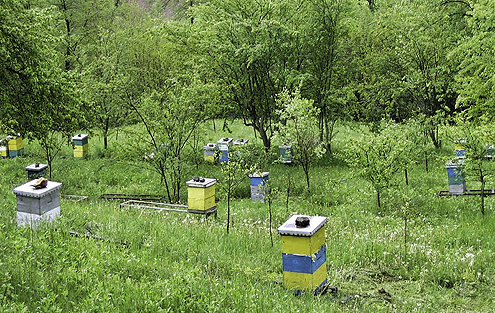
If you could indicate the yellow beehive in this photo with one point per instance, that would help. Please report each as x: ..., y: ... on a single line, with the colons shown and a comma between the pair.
x: 201, y: 194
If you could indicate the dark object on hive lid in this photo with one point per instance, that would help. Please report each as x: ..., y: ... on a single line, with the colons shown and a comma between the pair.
x: 302, y: 221
x: 40, y: 183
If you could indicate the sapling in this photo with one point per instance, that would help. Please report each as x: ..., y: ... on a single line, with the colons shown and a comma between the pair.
x: 476, y: 162
x: 233, y: 172
x: 298, y: 126
x: 378, y: 157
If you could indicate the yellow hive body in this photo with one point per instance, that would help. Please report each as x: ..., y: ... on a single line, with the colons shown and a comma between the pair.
x: 304, y: 281
x: 81, y: 151
x: 303, y: 241
x: 16, y: 144
x: 4, y: 152
x: 201, y: 194
x: 201, y: 198
x: 304, y: 245
x: 210, y: 158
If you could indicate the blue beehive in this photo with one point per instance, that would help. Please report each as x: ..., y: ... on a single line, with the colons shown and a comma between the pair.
x: 457, y: 182
x: 258, y: 183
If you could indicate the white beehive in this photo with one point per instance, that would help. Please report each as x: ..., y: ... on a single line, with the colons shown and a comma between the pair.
x: 34, y: 205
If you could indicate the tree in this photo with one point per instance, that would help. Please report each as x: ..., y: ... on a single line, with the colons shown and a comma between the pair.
x: 233, y: 172
x: 476, y: 62
x: 248, y: 47
x: 298, y: 128
x: 39, y: 101
x: 405, y: 67
x: 324, y: 66
x: 167, y: 97
x: 378, y: 157
x: 104, y: 69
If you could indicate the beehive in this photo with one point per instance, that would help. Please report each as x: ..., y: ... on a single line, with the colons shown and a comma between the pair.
x: 201, y: 194
x: 4, y: 149
x: 460, y: 148
x: 35, y: 205
x: 285, y: 154
x: 209, y: 152
x: 257, y: 182
x: 240, y: 142
x: 15, y: 146
x: 457, y: 182
x: 81, y: 146
x: 304, y: 253
x: 224, y: 145
x: 36, y: 170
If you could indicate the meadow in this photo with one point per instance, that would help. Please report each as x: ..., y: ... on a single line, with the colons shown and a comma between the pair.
x: 177, y: 262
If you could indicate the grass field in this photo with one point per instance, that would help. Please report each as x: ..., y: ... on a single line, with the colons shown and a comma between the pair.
x: 177, y: 262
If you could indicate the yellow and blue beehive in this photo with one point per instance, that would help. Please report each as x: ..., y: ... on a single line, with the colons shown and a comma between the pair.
x: 4, y: 149
x: 16, y: 146
x: 304, y: 252
x: 209, y: 152
x: 201, y: 194
x: 460, y: 148
x: 81, y: 147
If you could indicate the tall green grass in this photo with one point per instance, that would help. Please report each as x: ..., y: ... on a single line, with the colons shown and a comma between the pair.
x: 187, y: 263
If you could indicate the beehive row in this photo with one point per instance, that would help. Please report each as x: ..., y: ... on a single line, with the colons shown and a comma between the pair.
x: 13, y: 148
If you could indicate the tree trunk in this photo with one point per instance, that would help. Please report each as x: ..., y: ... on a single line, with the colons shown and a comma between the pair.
x: 228, y: 210
x: 105, y: 133
x: 306, y: 173
x: 270, y: 217
x: 288, y: 192
x: 378, y: 198
x: 426, y: 161
x: 405, y: 175
x: 482, y: 192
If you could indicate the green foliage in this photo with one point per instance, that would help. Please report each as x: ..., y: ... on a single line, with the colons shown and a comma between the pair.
x: 378, y: 157
x: 248, y: 48
x: 298, y: 128
x: 476, y: 64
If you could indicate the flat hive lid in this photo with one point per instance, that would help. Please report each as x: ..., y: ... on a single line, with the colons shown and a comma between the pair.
x: 80, y: 136
x: 198, y: 184
x: 29, y: 191
x: 34, y: 168
x: 263, y: 174
x: 210, y: 146
x: 225, y: 140
x: 289, y: 227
